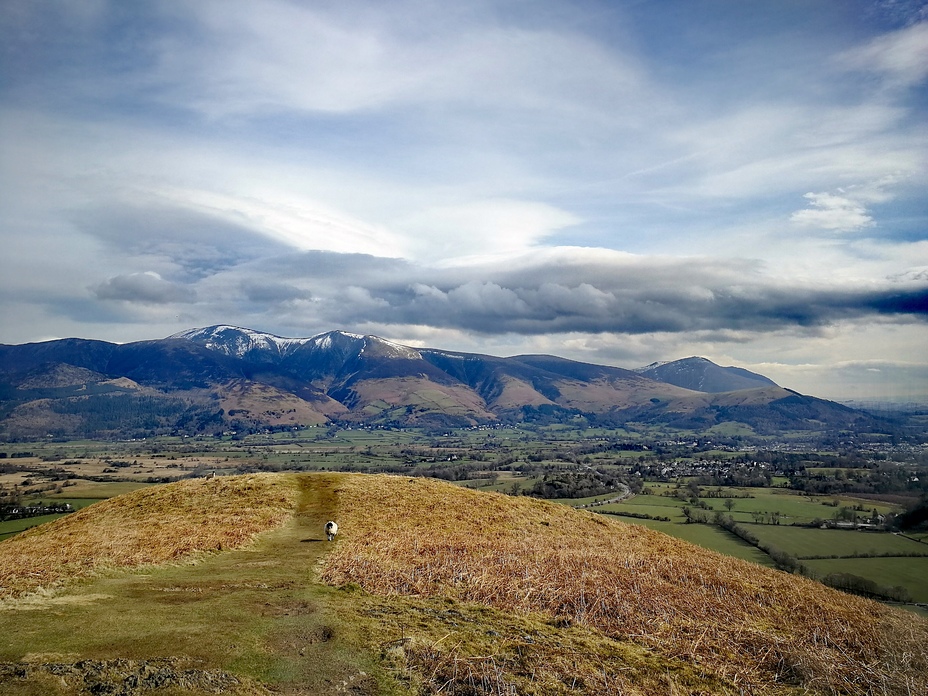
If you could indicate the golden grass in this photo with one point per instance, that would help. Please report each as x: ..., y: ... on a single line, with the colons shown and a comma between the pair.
x: 752, y: 628
x: 153, y: 525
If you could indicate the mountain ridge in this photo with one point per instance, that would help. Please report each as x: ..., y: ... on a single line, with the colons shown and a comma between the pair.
x: 232, y: 378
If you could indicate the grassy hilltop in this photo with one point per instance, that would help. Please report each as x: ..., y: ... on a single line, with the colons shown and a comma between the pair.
x: 226, y: 586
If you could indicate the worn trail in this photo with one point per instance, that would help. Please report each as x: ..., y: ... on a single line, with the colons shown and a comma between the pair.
x: 236, y: 621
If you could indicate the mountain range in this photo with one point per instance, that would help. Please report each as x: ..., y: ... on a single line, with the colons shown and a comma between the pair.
x: 227, y: 378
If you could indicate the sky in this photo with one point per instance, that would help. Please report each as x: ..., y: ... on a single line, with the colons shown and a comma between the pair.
x: 617, y: 182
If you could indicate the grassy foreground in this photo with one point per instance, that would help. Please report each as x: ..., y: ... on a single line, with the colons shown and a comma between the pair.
x: 148, y: 526
x: 702, y: 622
x: 226, y: 586
x: 149, y: 605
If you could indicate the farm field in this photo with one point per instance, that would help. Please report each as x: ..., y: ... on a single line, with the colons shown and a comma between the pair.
x: 792, y: 507
x: 795, y: 508
x: 805, y: 543
x: 708, y: 537
x: 801, y: 542
x: 10, y: 528
x: 666, y: 507
x: 910, y: 573
x: 96, y: 490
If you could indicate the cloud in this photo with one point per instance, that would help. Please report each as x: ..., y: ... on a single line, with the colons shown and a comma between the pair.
x: 905, y: 12
x: 567, y: 290
x: 252, y: 58
x: 184, y: 242
x: 482, y: 228
x: 900, y: 58
x: 607, y: 179
x: 270, y: 292
x: 143, y: 288
x: 828, y: 211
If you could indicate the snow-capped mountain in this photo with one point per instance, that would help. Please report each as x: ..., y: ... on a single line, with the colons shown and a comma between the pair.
x: 221, y: 377
x: 241, y: 343
x: 257, y: 346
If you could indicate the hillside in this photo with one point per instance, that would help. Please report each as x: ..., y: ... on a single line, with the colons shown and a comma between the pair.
x: 227, y: 379
x: 429, y: 588
x: 700, y: 374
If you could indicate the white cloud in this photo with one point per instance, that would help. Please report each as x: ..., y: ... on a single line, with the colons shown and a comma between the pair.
x: 901, y: 57
x: 355, y: 57
x: 297, y: 221
x: 479, y: 230
x: 775, y: 148
x: 828, y: 211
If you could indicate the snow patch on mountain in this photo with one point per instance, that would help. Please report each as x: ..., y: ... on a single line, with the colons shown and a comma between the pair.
x: 396, y: 349
x: 236, y: 341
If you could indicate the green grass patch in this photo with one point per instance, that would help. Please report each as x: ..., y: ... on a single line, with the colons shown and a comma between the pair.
x: 255, y: 612
x: 811, y: 543
x: 910, y: 573
x: 13, y: 527
x: 708, y: 537
x: 731, y: 429
x: 791, y: 506
x: 674, y: 513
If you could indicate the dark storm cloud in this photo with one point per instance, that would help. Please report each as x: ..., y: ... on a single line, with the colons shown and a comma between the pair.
x: 491, y: 308
x: 143, y: 288
x: 915, y: 302
x: 629, y: 295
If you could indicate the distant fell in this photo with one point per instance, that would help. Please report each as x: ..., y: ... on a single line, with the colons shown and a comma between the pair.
x: 703, y: 375
x: 227, y: 379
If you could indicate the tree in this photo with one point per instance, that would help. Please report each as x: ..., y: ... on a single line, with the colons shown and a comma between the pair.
x: 729, y: 504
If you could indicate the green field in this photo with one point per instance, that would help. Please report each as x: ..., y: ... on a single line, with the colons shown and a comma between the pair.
x: 804, y: 543
x: 910, y: 573
x: 709, y: 537
x: 792, y: 507
x: 908, y: 570
x: 748, y: 502
x: 11, y: 527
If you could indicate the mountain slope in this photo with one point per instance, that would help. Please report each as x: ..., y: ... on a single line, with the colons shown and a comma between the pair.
x: 237, y: 342
x: 428, y: 588
x: 701, y: 374
x: 223, y: 378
